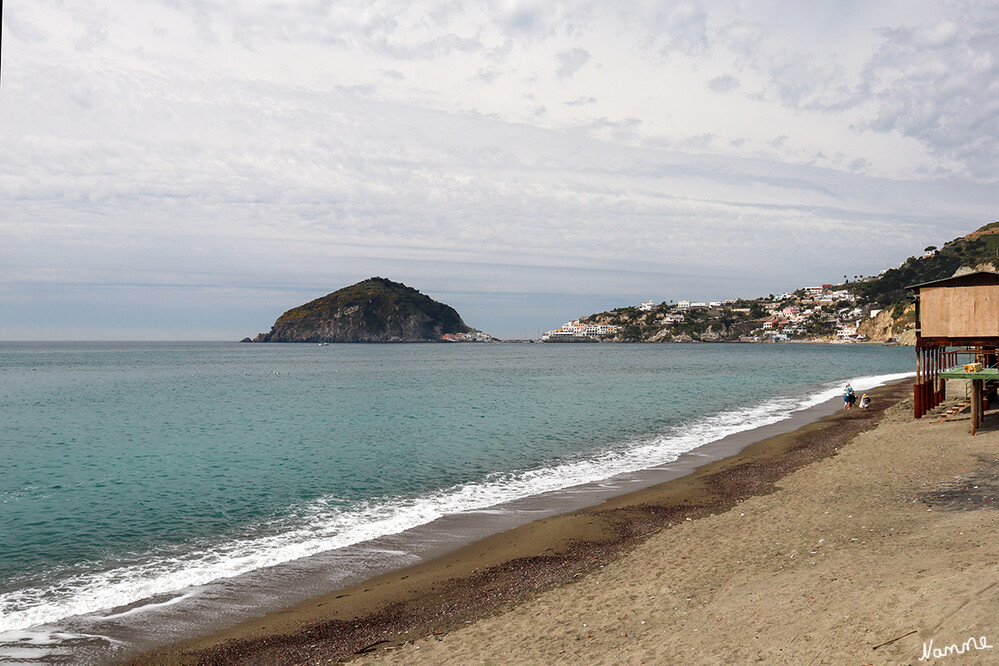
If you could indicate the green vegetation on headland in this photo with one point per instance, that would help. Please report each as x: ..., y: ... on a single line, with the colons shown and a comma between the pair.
x: 874, y: 308
x: 978, y: 250
x: 374, y: 310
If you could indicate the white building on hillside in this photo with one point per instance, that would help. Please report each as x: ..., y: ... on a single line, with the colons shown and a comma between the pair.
x: 848, y: 331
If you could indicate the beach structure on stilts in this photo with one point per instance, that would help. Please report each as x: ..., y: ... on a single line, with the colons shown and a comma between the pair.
x: 957, y: 337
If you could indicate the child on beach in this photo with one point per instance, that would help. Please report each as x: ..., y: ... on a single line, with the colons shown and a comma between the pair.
x: 865, y: 401
x: 849, y: 398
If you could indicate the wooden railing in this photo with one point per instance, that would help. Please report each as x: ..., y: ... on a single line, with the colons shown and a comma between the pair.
x: 929, y: 389
x: 989, y: 358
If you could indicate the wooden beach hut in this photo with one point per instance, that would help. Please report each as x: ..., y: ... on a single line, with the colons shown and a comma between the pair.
x: 957, y: 320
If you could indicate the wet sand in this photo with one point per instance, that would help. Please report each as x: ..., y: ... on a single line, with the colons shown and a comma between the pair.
x: 631, y: 568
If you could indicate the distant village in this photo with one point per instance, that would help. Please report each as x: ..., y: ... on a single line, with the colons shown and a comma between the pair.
x: 813, y: 313
x: 875, y: 308
x: 472, y: 336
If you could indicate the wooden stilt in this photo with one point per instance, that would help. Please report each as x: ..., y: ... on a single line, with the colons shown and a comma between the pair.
x: 927, y: 378
x: 934, y: 387
x: 926, y: 381
x: 941, y: 382
x: 936, y: 377
x: 976, y: 404
x: 979, y: 385
x: 917, y: 388
x: 930, y: 380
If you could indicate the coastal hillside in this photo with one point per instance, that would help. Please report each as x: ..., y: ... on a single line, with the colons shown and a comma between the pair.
x: 979, y: 250
x: 374, y: 310
x: 866, y: 308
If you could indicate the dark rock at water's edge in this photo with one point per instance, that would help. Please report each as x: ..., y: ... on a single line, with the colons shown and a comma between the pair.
x: 374, y: 310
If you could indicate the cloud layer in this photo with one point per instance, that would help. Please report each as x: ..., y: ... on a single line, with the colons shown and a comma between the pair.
x: 525, y: 161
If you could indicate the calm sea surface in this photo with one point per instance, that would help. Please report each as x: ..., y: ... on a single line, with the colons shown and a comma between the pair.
x: 132, y: 470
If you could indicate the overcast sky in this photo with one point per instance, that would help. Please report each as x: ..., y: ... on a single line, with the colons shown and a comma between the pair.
x: 189, y: 169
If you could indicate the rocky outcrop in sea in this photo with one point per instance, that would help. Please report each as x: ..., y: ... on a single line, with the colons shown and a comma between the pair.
x: 374, y: 310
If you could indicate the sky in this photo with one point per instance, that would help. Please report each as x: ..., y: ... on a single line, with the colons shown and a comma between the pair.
x: 190, y: 169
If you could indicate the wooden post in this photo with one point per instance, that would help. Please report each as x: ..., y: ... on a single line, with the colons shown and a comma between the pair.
x: 931, y: 384
x: 927, y: 370
x: 940, y: 381
x: 935, y: 386
x: 927, y: 373
x: 925, y: 367
x: 974, y: 409
x: 917, y: 388
x: 979, y: 385
x: 976, y: 404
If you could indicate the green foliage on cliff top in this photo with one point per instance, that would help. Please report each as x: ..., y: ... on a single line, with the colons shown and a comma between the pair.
x: 378, y: 300
x: 978, y: 247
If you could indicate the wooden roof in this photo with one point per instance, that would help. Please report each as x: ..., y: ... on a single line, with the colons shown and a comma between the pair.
x: 976, y: 279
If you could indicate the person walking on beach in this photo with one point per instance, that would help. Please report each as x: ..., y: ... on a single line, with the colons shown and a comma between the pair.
x: 849, y: 398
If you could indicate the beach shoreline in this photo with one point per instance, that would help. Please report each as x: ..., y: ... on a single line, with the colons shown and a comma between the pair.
x: 447, y: 590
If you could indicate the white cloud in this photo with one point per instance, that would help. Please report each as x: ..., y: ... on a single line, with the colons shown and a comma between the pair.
x: 488, y: 148
x: 571, y: 61
x: 936, y: 84
x: 723, y: 84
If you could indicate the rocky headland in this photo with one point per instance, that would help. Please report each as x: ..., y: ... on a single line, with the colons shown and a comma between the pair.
x: 374, y: 310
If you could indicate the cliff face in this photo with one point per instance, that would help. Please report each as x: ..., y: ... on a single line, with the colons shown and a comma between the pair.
x: 375, y: 310
x: 890, y: 323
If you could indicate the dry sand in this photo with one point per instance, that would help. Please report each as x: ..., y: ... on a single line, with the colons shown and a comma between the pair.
x: 838, y: 543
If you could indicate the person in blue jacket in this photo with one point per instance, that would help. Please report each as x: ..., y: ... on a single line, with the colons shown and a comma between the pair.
x: 849, y: 398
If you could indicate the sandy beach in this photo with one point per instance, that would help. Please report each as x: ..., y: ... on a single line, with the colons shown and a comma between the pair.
x: 859, y: 538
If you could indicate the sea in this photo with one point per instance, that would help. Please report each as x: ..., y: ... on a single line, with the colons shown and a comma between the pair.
x: 152, y: 491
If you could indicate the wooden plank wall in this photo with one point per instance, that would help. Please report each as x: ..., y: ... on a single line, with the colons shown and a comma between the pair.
x: 959, y: 312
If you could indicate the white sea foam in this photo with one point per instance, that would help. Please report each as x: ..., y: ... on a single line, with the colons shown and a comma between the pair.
x: 145, y: 607
x: 40, y: 646
x: 329, y: 528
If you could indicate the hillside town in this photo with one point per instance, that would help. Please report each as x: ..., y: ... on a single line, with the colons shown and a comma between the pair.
x: 877, y: 308
x: 825, y: 312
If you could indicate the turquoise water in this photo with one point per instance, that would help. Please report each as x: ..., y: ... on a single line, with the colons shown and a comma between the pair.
x: 131, y: 470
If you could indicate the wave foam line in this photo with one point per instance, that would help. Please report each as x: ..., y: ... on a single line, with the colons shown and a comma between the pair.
x: 327, y: 529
